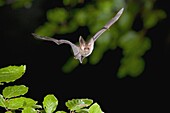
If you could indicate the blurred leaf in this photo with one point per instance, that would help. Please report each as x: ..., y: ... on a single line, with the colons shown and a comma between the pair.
x: 48, y: 29
x: 133, y: 44
x: 96, y: 56
x: 11, y: 73
x: 67, y: 2
x: 29, y: 110
x: 126, y: 21
x: 2, y: 2
x: 76, y: 104
x: 152, y: 18
x: 57, y: 15
x: 132, y: 66
x: 81, y: 17
x: 20, y: 102
x: 104, y: 6
x: 50, y: 103
x: 13, y: 91
x: 148, y: 4
x: 71, y: 2
x: 21, y: 3
x: 95, y: 108
x: 70, y: 65
x: 117, y: 4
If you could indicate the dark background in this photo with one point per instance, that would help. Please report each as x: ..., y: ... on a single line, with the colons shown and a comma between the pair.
x: 44, y: 61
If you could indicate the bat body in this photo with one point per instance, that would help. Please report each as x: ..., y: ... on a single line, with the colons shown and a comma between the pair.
x: 84, y: 49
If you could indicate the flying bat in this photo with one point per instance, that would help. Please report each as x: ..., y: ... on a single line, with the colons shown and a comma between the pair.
x: 84, y: 48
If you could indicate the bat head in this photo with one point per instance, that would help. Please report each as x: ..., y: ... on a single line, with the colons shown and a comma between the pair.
x: 86, y: 48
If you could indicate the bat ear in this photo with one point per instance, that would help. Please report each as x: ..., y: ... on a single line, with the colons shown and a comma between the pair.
x: 91, y: 42
x: 81, y: 41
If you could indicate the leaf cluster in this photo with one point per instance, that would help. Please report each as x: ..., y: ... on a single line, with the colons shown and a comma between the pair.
x: 13, y: 98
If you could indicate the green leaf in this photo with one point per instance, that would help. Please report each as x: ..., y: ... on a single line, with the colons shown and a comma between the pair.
x: 29, y: 110
x: 76, y: 104
x: 132, y: 66
x: 57, y: 15
x: 50, y: 103
x: 11, y: 73
x: 21, y: 102
x: 152, y: 18
x: 81, y: 17
x: 82, y: 111
x: 48, y: 29
x: 60, y: 112
x: 22, y: 3
x: 13, y: 91
x: 95, y: 108
x: 2, y: 2
x: 2, y: 101
x: 70, y: 65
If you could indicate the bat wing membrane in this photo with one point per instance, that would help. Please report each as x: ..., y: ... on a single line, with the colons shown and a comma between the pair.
x: 107, y: 25
x: 74, y: 47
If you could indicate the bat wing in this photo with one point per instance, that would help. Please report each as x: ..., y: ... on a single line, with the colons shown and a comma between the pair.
x: 74, y: 47
x: 107, y: 26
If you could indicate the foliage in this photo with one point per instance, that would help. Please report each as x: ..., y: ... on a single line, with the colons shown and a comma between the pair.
x: 13, y: 99
x: 11, y: 73
x: 17, y: 3
x: 134, y: 42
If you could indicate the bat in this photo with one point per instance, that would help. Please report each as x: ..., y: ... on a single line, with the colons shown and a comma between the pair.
x: 84, y: 48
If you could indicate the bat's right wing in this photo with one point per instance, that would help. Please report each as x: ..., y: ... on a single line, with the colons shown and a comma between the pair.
x: 108, y: 24
x: 74, y: 47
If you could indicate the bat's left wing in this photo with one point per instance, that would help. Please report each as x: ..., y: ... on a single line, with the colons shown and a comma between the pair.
x: 74, y: 47
x: 107, y: 26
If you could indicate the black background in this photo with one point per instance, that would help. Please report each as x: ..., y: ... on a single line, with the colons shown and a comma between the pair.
x: 44, y: 60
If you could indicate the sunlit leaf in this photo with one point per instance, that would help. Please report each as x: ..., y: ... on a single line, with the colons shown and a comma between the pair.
x: 50, y: 103
x: 95, y: 108
x: 29, y: 110
x: 2, y: 101
x: 13, y: 91
x: 76, y: 104
x: 20, y: 102
x: 83, y: 110
x: 11, y: 73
